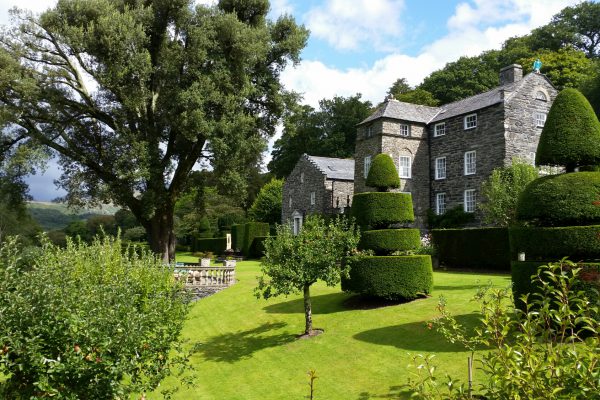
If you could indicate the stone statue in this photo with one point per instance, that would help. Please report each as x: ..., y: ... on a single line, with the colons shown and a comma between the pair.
x: 537, y: 65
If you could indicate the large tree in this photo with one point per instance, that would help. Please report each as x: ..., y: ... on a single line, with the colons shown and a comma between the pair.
x: 131, y: 94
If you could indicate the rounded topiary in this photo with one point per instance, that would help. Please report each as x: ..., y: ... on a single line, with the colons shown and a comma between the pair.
x: 554, y: 243
x: 561, y: 200
x: 392, y: 278
x: 381, y: 209
x: 386, y: 241
x: 383, y: 174
x: 571, y: 134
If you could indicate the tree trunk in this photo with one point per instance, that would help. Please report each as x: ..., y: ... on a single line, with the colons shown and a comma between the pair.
x: 161, y: 233
x: 307, y: 310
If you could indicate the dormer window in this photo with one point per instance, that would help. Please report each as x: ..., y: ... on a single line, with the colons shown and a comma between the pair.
x: 539, y: 95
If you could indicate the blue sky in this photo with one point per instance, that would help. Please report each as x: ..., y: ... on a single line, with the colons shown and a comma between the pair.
x: 363, y: 46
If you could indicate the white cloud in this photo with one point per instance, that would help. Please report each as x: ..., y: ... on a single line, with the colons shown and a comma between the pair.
x: 348, y: 25
x: 280, y: 7
x: 36, y: 6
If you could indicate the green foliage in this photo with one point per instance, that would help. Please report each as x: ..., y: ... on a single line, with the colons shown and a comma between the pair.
x: 387, y: 241
x: 579, y: 25
x: 253, y: 230
x: 455, y: 217
x: 257, y: 249
x: 481, y: 248
x: 267, y: 205
x: 561, y: 200
x: 238, y: 236
x: 391, y: 277
x: 329, y: 131
x: 547, y: 243
x: 566, y: 67
x: 383, y: 174
x: 89, y: 321
x: 502, y: 189
x: 571, y: 135
x: 135, y: 234
x: 379, y: 210
x: 590, y: 87
x: 547, y: 350
x: 214, y: 245
x: 402, y: 91
x: 292, y: 263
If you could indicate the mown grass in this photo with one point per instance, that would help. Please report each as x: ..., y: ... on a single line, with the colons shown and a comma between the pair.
x: 248, y: 349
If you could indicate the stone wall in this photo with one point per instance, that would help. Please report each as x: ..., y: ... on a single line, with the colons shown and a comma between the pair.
x: 365, y: 146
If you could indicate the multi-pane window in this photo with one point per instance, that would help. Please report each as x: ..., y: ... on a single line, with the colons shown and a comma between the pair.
x: 470, y: 162
x: 312, y: 198
x: 439, y: 129
x: 440, y: 203
x: 404, y: 130
x: 540, y: 119
x: 405, y: 167
x: 471, y: 121
x: 440, y: 168
x: 470, y: 200
x: 367, y: 165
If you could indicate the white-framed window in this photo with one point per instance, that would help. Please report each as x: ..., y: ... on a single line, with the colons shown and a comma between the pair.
x: 439, y: 129
x: 290, y: 202
x: 540, y: 119
x: 369, y: 132
x: 405, y: 170
x: 301, y: 177
x: 440, y: 168
x: 470, y: 200
x: 470, y: 162
x: 471, y: 121
x: 539, y: 95
x: 404, y: 130
x: 367, y: 165
x: 297, y: 225
x: 440, y: 203
x: 312, y: 198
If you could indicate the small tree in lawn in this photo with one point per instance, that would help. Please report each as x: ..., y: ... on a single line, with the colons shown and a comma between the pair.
x: 292, y: 263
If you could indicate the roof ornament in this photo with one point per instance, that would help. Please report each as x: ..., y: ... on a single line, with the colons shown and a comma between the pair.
x: 389, y: 97
x: 537, y: 65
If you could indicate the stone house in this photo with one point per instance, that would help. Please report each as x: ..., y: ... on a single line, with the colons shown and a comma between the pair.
x: 443, y: 154
x: 317, y: 185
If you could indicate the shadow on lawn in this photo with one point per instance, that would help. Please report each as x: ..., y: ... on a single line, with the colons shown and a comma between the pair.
x: 395, y: 392
x: 416, y: 336
x: 232, y: 347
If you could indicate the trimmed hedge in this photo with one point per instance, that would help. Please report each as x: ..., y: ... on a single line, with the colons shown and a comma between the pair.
x: 522, y: 272
x: 562, y: 200
x: 383, y: 174
x: 257, y: 249
x: 576, y: 242
x: 485, y: 248
x: 214, y: 245
x: 238, y: 236
x: 253, y: 230
x: 392, y: 277
x: 386, y: 241
x: 381, y: 209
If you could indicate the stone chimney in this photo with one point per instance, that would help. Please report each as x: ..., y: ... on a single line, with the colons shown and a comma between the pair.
x: 511, y: 74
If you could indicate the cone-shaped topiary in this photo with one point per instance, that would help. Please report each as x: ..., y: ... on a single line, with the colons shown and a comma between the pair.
x: 571, y: 134
x: 383, y: 174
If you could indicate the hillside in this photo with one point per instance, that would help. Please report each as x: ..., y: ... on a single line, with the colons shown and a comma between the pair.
x: 53, y: 216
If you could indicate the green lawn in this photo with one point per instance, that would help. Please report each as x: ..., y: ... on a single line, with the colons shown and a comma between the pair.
x: 248, y: 347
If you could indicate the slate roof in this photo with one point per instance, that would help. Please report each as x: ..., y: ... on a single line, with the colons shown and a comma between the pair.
x: 334, y: 168
x: 406, y: 111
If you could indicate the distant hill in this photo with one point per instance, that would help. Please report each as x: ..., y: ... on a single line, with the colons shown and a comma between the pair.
x: 53, y: 216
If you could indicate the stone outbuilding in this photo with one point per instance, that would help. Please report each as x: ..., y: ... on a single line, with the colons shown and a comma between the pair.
x: 320, y: 185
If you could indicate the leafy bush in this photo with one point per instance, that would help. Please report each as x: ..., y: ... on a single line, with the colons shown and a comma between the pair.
x: 386, y: 241
x: 482, y: 248
x: 571, y: 134
x: 89, y: 321
x: 391, y: 277
x: 238, y: 236
x: 383, y: 174
x: 379, y: 210
x: 455, y: 217
x: 539, y: 243
x: 257, y: 250
x: 213, y: 245
x: 253, y: 230
x: 267, y: 205
x: 561, y: 200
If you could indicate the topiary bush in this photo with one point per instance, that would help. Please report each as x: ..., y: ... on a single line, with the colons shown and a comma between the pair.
x: 387, y: 241
x: 214, y: 245
x: 571, y: 134
x: 238, y: 236
x: 392, y: 277
x: 379, y: 210
x: 561, y: 200
x: 383, y: 174
x: 253, y: 230
x: 550, y: 243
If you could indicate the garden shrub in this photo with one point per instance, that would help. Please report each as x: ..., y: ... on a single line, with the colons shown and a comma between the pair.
x: 213, y: 245
x: 549, y: 243
x: 571, y: 134
x: 383, y: 174
x: 481, y: 248
x: 562, y: 200
x: 257, y: 250
x: 391, y: 277
x: 253, y: 230
x: 238, y: 236
x: 455, y: 217
x: 386, y: 241
x: 381, y: 209
x: 90, y: 321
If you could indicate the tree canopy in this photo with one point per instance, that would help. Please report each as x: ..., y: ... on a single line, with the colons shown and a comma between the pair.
x: 131, y: 95
x: 267, y: 205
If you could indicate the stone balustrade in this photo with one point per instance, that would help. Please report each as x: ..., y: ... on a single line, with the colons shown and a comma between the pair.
x: 206, y: 276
